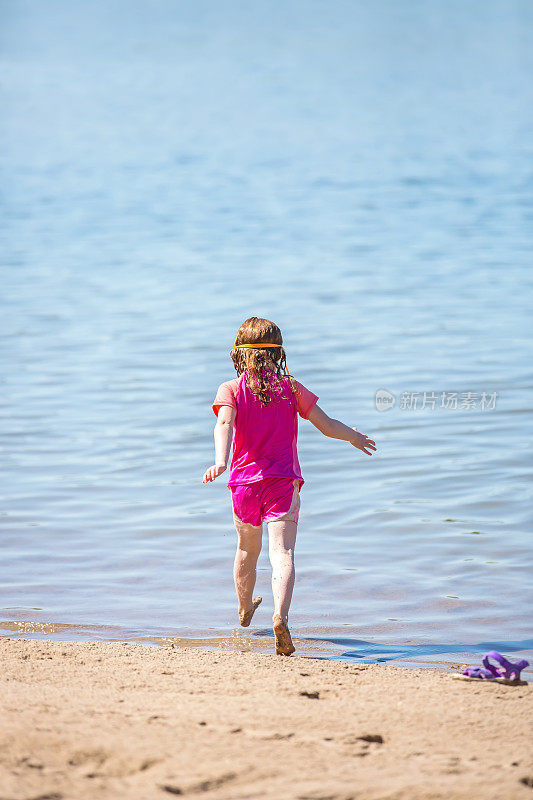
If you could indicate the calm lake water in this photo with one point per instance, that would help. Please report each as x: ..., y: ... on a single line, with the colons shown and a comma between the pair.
x: 361, y: 173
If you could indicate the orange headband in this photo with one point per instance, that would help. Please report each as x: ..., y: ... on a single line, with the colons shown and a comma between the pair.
x: 260, y: 345
x: 257, y: 345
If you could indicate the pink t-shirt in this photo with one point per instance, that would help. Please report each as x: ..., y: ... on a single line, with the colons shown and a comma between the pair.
x: 264, y: 437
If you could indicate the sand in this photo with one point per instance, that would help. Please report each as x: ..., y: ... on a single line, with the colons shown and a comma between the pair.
x: 113, y: 720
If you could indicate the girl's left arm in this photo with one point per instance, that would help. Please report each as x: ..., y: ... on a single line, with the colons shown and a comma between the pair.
x: 223, y: 434
x: 335, y: 429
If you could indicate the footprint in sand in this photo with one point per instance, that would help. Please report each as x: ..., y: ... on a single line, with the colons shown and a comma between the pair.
x: 372, y: 737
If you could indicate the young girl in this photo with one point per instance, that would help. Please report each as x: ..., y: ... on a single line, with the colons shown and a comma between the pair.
x: 258, y: 411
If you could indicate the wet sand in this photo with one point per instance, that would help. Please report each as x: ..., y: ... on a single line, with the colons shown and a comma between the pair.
x: 84, y: 720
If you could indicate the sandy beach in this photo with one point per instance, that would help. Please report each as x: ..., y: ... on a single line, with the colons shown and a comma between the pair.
x: 109, y: 720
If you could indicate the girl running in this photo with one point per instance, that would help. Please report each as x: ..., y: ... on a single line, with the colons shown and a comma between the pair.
x: 257, y: 413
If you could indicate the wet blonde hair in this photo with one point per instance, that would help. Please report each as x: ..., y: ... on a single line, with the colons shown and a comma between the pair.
x: 259, y: 363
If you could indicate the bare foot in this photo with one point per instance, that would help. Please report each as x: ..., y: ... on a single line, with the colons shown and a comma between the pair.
x: 284, y: 645
x: 245, y: 617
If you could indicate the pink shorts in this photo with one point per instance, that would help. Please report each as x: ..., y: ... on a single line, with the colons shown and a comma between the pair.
x: 266, y: 500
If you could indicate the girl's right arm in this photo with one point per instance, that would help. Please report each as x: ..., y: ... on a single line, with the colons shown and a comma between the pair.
x: 223, y: 434
x: 335, y: 429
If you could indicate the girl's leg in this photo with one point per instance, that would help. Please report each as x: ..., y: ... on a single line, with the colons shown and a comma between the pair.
x: 244, y: 569
x: 282, y: 539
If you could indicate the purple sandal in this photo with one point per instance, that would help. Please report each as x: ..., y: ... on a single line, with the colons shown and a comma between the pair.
x: 478, y: 672
x: 491, y: 672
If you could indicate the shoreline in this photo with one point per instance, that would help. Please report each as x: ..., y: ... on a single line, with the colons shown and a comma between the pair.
x: 411, y: 655
x: 107, y: 720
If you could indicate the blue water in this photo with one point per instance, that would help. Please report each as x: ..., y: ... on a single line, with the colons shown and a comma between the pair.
x: 359, y: 173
